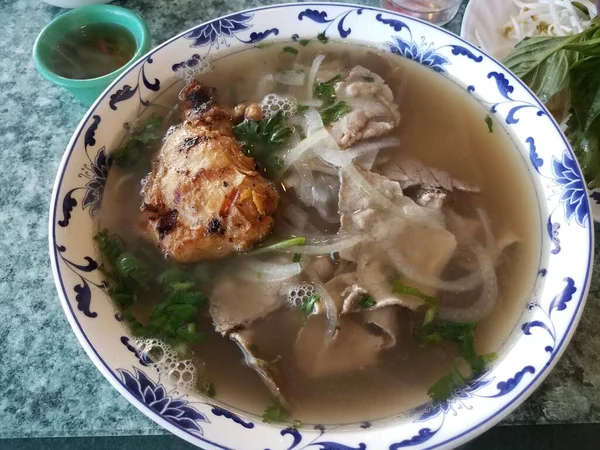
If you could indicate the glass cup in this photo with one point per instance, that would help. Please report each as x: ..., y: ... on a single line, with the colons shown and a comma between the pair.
x: 438, y: 12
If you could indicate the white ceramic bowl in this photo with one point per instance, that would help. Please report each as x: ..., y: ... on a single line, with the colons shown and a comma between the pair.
x: 548, y: 319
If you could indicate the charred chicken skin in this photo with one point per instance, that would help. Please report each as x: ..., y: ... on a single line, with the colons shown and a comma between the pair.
x: 204, y: 198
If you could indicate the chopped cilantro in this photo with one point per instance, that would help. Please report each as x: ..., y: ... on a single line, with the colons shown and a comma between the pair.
x: 333, y: 113
x: 433, y: 331
x: 260, y: 139
x: 296, y: 424
x: 297, y: 257
x: 322, y: 38
x: 274, y: 413
x: 139, y: 145
x: 490, y: 124
x: 292, y: 50
x: 258, y: 275
x: 303, y: 42
x: 205, y: 386
x: 366, y: 301
x: 326, y: 91
x: 369, y: 79
x: 109, y: 245
x: 308, y: 305
x: 301, y: 108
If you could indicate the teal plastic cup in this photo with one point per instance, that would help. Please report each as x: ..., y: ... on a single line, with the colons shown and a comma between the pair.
x: 87, y: 91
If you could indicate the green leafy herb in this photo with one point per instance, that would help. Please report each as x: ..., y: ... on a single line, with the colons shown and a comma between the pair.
x: 366, y: 301
x: 322, y: 38
x: 141, y: 142
x: 297, y: 257
x: 260, y: 139
x: 334, y: 112
x: 280, y: 245
x: 303, y: 42
x: 433, y: 331
x: 326, y: 91
x: 205, y: 386
x: 369, y: 79
x: 109, y: 245
x: 130, y: 266
x: 275, y: 413
x: 308, y: 305
x: 443, y: 388
x: 570, y: 64
x: 296, y: 424
x: 302, y: 108
x: 489, y: 123
x: 292, y: 50
x: 258, y: 275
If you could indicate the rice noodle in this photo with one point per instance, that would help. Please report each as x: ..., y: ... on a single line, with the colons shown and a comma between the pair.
x: 259, y: 271
x: 304, y: 190
x: 342, y: 243
x: 487, y: 300
x: 331, y: 311
x: 490, y: 241
x: 408, y: 210
x: 313, y: 75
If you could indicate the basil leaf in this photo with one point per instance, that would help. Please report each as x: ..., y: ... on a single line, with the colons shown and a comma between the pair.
x: 543, y: 63
x: 585, y: 91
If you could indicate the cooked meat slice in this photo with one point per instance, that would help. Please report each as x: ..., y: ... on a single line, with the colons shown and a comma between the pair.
x: 267, y: 371
x: 374, y: 112
x: 204, y: 198
x: 231, y: 309
x: 352, y: 348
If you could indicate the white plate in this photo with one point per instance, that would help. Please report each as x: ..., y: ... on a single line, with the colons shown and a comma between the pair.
x: 482, y: 25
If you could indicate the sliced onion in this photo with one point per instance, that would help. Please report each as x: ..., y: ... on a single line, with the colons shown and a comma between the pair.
x: 408, y: 209
x: 464, y: 284
x: 313, y: 75
x: 265, y: 85
x: 290, y: 77
x: 259, y: 271
x: 313, y: 103
x: 341, y: 243
x: 306, y: 144
x: 331, y: 311
x: 377, y: 144
x: 487, y: 300
x: 490, y: 242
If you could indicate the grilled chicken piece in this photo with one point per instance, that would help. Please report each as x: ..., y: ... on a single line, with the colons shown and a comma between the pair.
x: 204, y: 198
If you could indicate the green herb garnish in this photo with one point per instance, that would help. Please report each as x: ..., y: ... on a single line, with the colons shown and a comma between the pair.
x: 260, y: 139
x: 489, y: 123
x: 333, y: 113
x: 322, y: 38
x: 326, y: 91
x: 275, y: 413
x: 549, y: 65
x: 279, y: 245
x: 292, y: 50
x: 173, y: 319
x: 308, y: 305
x: 433, y: 331
x: 301, y: 108
x: 205, y: 386
x: 369, y: 79
x: 303, y: 42
x: 366, y: 302
x: 297, y: 257
x: 141, y: 142
x: 296, y: 424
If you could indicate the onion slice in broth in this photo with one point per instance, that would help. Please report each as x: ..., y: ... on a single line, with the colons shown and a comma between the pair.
x: 331, y: 311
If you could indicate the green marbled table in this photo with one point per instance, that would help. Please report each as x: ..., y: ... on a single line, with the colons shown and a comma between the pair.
x: 48, y: 386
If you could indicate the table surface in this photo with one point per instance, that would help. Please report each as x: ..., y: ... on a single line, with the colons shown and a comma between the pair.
x: 48, y: 386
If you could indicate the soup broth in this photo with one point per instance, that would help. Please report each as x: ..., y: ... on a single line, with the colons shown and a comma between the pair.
x: 443, y: 127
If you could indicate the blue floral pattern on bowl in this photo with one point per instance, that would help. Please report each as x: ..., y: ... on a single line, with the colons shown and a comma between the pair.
x: 558, y: 295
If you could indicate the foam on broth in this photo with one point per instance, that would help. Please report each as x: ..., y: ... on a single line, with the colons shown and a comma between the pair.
x: 444, y: 127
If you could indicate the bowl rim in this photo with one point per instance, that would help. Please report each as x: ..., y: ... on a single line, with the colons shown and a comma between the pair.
x: 136, y: 26
x: 452, y: 441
